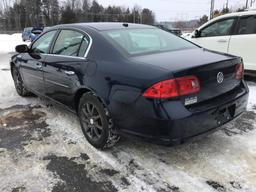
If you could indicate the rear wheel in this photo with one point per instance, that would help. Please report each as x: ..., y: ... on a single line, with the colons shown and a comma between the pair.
x: 96, y: 123
x: 19, y: 85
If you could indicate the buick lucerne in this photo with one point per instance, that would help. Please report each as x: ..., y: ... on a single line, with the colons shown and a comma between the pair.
x: 131, y: 79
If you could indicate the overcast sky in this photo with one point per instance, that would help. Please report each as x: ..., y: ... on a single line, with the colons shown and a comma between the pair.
x: 166, y: 10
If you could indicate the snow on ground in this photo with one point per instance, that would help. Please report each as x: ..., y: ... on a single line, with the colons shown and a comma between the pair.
x: 252, y: 97
x: 9, y: 42
x: 42, y: 149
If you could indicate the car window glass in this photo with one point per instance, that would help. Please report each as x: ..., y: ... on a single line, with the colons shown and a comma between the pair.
x: 68, y: 43
x: 220, y: 28
x: 84, y: 47
x: 247, y: 25
x: 42, y: 45
x: 144, y: 41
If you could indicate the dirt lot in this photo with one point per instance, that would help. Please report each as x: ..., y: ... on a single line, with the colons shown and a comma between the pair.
x: 42, y: 149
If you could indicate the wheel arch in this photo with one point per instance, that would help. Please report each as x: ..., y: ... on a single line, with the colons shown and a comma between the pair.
x: 12, y: 65
x: 80, y: 92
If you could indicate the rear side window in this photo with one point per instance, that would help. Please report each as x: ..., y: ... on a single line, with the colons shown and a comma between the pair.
x: 247, y: 25
x: 83, y: 47
x: 219, y: 28
x: 71, y: 43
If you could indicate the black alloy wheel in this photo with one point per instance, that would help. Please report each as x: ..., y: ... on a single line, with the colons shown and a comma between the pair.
x: 95, y: 122
x: 18, y: 82
x: 92, y: 121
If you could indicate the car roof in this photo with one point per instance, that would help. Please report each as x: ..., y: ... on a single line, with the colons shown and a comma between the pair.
x: 104, y: 26
x: 238, y: 14
x: 228, y: 15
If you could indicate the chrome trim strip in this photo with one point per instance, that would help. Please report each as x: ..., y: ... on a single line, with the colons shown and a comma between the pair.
x: 89, y: 47
x: 55, y: 55
x: 55, y: 83
x: 34, y: 76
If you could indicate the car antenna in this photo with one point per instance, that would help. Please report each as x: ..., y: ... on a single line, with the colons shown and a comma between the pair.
x: 125, y: 24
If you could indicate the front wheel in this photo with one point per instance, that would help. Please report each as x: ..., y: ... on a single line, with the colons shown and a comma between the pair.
x: 96, y: 123
x: 18, y: 82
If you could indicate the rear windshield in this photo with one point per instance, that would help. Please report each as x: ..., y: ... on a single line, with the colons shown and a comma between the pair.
x: 145, y: 41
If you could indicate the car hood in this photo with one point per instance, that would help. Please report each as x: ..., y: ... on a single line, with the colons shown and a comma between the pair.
x: 182, y: 59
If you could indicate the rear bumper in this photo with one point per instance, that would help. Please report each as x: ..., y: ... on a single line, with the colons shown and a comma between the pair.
x: 171, y: 123
x: 206, y: 122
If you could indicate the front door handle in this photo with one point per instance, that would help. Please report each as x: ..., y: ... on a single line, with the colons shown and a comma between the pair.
x: 222, y: 41
x: 69, y: 72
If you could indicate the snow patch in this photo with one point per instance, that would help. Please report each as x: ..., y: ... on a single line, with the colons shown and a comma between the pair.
x: 9, y: 42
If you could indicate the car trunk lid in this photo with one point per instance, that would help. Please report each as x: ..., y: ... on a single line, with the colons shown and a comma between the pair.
x: 215, y: 71
x: 215, y: 79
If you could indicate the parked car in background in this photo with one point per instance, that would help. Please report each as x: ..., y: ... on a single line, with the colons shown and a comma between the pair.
x: 233, y: 33
x: 46, y: 28
x: 35, y: 33
x: 130, y: 79
x: 174, y: 31
x: 26, y: 33
x: 185, y: 35
x: 31, y: 33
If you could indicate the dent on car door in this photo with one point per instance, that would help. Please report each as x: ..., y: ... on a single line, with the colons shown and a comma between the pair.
x: 32, y: 63
x: 64, y: 67
x: 216, y: 35
x: 243, y: 42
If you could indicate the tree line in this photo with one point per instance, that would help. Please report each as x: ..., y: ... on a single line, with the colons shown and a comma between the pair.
x: 18, y: 14
x: 217, y: 13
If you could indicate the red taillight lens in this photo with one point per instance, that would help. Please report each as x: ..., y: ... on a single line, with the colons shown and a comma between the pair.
x: 239, y: 73
x: 188, y: 85
x: 173, y: 88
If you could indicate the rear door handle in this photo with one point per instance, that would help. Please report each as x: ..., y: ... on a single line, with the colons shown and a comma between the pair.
x: 222, y: 41
x: 69, y: 72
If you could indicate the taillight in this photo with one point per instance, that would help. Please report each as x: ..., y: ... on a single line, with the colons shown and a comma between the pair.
x: 239, y: 73
x: 173, y: 88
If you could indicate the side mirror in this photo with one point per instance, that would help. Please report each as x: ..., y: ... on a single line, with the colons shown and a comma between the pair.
x: 22, y: 49
x: 197, y: 33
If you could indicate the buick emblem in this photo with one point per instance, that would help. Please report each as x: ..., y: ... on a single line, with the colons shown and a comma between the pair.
x: 220, y: 77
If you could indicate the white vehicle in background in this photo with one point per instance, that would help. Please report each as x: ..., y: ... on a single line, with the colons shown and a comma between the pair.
x: 233, y: 33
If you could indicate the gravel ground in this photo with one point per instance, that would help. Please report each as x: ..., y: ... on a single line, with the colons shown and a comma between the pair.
x: 42, y: 149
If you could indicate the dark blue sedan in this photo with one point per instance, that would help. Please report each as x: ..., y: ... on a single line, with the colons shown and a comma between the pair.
x: 31, y: 33
x: 129, y: 79
x: 26, y: 33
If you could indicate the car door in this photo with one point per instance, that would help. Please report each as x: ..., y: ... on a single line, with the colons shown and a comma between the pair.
x: 216, y: 35
x: 32, y: 63
x: 243, y: 42
x: 62, y: 71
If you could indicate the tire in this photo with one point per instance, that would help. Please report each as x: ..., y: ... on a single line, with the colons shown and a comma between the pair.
x: 96, y: 123
x: 18, y: 82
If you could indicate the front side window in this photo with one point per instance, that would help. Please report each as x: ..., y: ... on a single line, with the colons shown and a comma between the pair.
x: 247, y: 25
x: 144, y: 41
x: 220, y: 28
x: 42, y: 45
x: 70, y: 43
